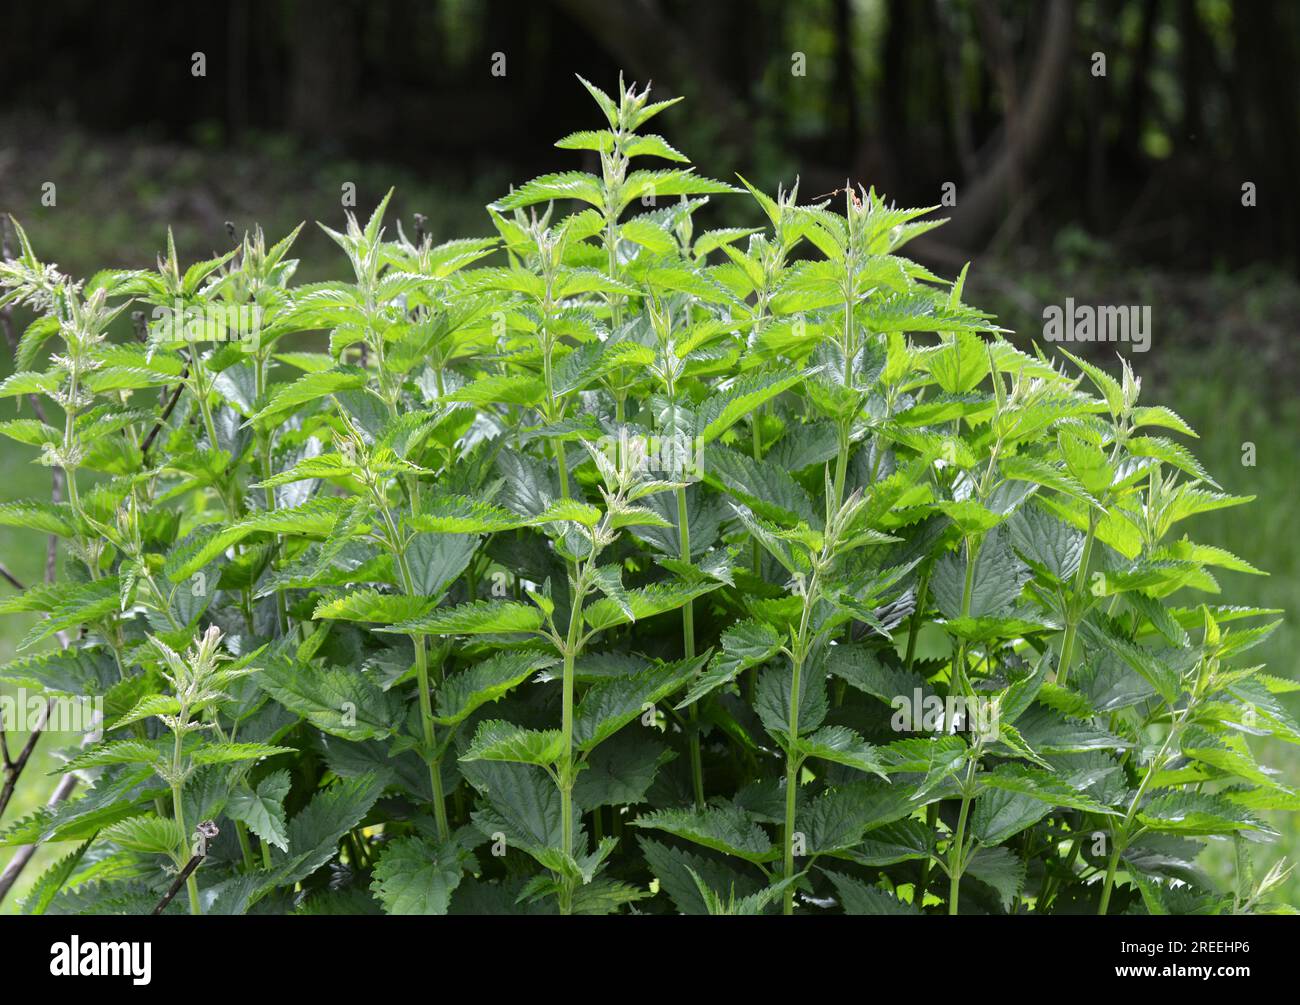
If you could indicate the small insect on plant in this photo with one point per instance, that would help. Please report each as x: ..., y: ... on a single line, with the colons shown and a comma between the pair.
x: 612, y: 564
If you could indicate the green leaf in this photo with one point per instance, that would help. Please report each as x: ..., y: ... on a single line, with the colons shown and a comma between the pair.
x: 1001, y: 813
x: 1000, y: 869
x: 48, y: 518
x: 262, y: 809
x: 497, y: 740
x: 418, y: 877
x: 677, y: 870
x: 47, y: 887
x: 645, y: 602
x: 451, y: 514
x: 116, y: 752
x: 148, y: 834
x: 146, y: 707
x: 727, y: 829
x: 723, y: 409
x: 230, y: 753
x: 309, y: 387
x: 371, y: 605
x: 463, y: 693
x: 610, y: 705
x: 744, y: 645
x: 1195, y: 813
x: 314, y: 833
x: 340, y: 701
x: 480, y: 617
x: 840, y: 745
x: 1040, y: 785
x: 859, y: 899
x: 620, y: 771
x: 316, y: 518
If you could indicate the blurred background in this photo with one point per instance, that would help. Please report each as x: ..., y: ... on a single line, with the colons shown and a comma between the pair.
x: 1119, y: 152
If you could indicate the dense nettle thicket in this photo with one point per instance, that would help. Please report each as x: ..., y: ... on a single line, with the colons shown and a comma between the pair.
x: 610, y: 564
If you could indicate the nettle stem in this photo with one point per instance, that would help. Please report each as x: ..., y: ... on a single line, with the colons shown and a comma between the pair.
x: 793, y: 761
x: 426, y: 719
x: 956, y: 853
x: 422, y: 681
x: 688, y: 647
x: 914, y: 629
x: 792, y: 768
x: 959, y: 685
x: 1075, y: 603
x: 1121, y: 835
x: 264, y: 439
x: 178, y: 812
x: 572, y: 643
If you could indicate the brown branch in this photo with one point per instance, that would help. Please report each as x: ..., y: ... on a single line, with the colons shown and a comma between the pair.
x: 14, y: 581
x: 13, y: 772
x: 61, y: 792
x: 162, y: 419
x: 177, y: 883
x: 1035, y: 117
x: 24, y: 854
x: 207, y: 831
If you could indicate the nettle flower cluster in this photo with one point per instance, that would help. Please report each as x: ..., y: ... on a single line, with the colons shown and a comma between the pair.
x: 389, y: 611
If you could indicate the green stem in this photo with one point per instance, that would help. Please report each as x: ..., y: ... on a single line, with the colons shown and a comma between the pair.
x: 791, y: 790
x: 923, y: 884
x: 793, y: 762
x: 958, y: 681
x: 571, y: 644
x: 688, y: 645
x: 178, y: 811
x: 422, y: 682
x: 1110, y: 878
x: 1076, y: 600
x: 755, y: 554
x: 914, y: 630
x: 955, y: 854
x: 841, y: 464
x: 1120, y: 834
x: 426, y: 719
x: 245, y: 849
x: 268, y: 493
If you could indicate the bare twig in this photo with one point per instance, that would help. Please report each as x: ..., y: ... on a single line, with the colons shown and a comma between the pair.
x: 62, y: 791
x: 207, y: 831
x: 177, y: 883
x: 13, y: 771
x: 167, y: 414
x: 13, y: 580
x: 24, y: 854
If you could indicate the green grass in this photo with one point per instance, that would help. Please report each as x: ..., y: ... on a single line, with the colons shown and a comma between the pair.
x: 24, y: 555
x: 1225, y: 403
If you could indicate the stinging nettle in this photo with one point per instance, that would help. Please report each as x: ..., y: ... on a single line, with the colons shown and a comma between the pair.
x: 578, y: 569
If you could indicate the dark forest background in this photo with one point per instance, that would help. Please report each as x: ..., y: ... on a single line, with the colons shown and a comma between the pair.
x: 998, y: 97
x: 1123, y: 189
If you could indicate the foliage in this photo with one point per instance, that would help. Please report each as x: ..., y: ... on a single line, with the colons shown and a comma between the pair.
x: 613, y: 565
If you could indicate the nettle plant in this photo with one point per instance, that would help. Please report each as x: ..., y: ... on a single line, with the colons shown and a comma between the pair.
x: 614, y: 565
